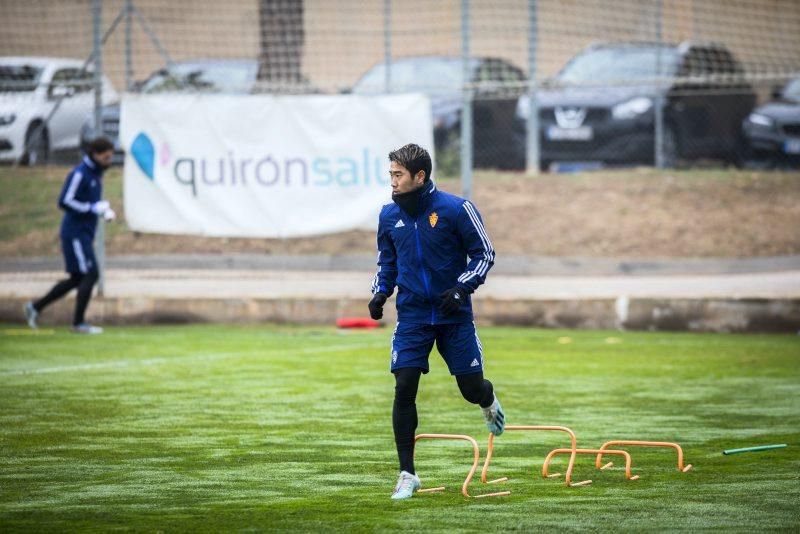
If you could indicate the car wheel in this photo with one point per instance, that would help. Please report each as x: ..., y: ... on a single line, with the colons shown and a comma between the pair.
x: 742, y: 154
x: 36, y: 145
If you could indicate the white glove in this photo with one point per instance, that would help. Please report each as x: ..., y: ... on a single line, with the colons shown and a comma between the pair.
x: 100, y: 207
x: 109, y: 215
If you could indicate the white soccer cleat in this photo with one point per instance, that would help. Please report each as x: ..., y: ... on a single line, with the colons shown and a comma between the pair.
x: 31, y: 315
x: 495, y: 417
x: 407, y: 484
x: 86, y: 328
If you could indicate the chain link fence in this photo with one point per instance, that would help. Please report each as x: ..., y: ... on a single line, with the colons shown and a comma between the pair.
x: 601, y: 82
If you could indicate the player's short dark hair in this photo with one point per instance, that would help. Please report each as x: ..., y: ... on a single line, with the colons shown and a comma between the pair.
x: 99, y: 145
x: 414, y: 158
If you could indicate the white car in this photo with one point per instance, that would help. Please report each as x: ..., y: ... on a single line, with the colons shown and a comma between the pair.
x: 30, y: 87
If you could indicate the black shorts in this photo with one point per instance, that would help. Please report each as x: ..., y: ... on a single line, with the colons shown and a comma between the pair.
x: 78, y: 254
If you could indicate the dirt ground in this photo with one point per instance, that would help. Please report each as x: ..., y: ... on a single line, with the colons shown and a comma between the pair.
x: 640, y: 214
x: 632, y: 214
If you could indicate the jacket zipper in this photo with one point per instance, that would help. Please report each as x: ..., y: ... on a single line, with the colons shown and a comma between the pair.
x: 424, y: 274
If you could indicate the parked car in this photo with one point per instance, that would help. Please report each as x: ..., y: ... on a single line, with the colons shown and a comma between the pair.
x: 498, y: 84
x: 600, y: 109
x: 30, y: 87
x: 231, y: 76
x: 772, y: 130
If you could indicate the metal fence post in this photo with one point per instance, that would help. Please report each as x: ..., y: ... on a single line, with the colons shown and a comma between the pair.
x: 128, y: 45
x: 659, y: 103
x: 97, y: 21
x: 532, y: 138
x: 466, y: 106
x: 387, y: 43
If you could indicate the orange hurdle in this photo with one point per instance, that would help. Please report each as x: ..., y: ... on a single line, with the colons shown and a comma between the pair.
x: 573, y: 439
x: 476, y: 456
x: 636, y: 443
x: 591, y: 451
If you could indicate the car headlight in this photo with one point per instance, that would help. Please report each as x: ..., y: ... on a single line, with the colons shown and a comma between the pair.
x: 761, y: 120
x: 630, y: 109
x: 523, y: 107
x: 7, y: 118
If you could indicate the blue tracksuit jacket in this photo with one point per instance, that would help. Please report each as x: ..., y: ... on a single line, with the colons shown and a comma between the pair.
x: 445, y: 246
x: 83, y: 187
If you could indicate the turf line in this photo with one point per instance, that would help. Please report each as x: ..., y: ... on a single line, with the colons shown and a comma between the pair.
x: 152, y: 362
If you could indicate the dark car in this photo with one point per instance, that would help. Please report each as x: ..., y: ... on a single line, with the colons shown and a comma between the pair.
x: 231, y: 76
x: 772, y: 130
x: 600, y: 109
x: 497, y: 85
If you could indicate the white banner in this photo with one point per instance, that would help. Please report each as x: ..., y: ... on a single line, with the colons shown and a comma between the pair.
x: 263, y: 166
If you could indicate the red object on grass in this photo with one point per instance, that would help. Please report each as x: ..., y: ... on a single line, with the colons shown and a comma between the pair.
x: 358, y: 322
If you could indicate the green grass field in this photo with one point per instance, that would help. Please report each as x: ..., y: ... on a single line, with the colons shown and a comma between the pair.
x: 224, y: 428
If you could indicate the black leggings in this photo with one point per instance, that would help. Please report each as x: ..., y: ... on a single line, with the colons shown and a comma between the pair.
x: 84, y: 283
x: 474, y: 388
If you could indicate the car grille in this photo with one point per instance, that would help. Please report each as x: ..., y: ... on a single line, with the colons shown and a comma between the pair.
x: 792, y: 129
x: 111, y: 127
x: 593, y: 116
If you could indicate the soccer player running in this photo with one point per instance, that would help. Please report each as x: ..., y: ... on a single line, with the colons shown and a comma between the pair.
x: 81, y: 200
x: 433, y: 246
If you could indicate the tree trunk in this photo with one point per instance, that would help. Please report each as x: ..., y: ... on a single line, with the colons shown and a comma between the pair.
x: 282, y: 39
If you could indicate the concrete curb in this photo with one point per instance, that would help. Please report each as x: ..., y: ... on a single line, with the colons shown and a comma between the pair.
x: 657, y: 314
x: 512, y: 265
x: 752, y: 302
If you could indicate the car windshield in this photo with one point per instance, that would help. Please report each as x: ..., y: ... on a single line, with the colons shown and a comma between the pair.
x: 429, y: 75
x: 233, y: 77
x: 792, y: 90
x: 618, y: 64
x: 19, y: 78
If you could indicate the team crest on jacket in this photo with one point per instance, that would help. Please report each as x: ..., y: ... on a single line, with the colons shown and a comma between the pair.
x: 433, y: 218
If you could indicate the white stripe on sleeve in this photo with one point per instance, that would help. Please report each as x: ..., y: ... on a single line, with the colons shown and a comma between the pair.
x: 69, y: 197
x: 376, y: 279
x: 488, y: 251
x: 476, y: 222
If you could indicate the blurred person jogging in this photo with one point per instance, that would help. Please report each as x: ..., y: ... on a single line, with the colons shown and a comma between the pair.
x: 434, y: 247
x: 81, y: 199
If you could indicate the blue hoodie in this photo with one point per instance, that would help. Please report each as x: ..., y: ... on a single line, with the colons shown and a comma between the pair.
x: 82, y: 188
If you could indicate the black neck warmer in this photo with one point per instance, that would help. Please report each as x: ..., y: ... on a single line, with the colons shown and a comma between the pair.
x: 410, y: 202
x: 99, y: 168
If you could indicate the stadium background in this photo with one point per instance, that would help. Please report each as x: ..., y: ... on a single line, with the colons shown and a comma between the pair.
x: 622, y: 219
x: 345, y: 38
x: 325, y: 47
x: 275, y: 426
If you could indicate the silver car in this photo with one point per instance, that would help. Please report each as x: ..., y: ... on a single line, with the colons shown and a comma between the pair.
x: 43, y: 102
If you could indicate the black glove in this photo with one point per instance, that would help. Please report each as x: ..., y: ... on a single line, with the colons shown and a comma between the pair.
x: 452, y: 300
x: 376, y: 306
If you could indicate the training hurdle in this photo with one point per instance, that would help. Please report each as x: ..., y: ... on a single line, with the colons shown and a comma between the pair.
x: 475, y: 455
x: 636, y: 443
x: 535, y: 428
x: 627, y: 456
